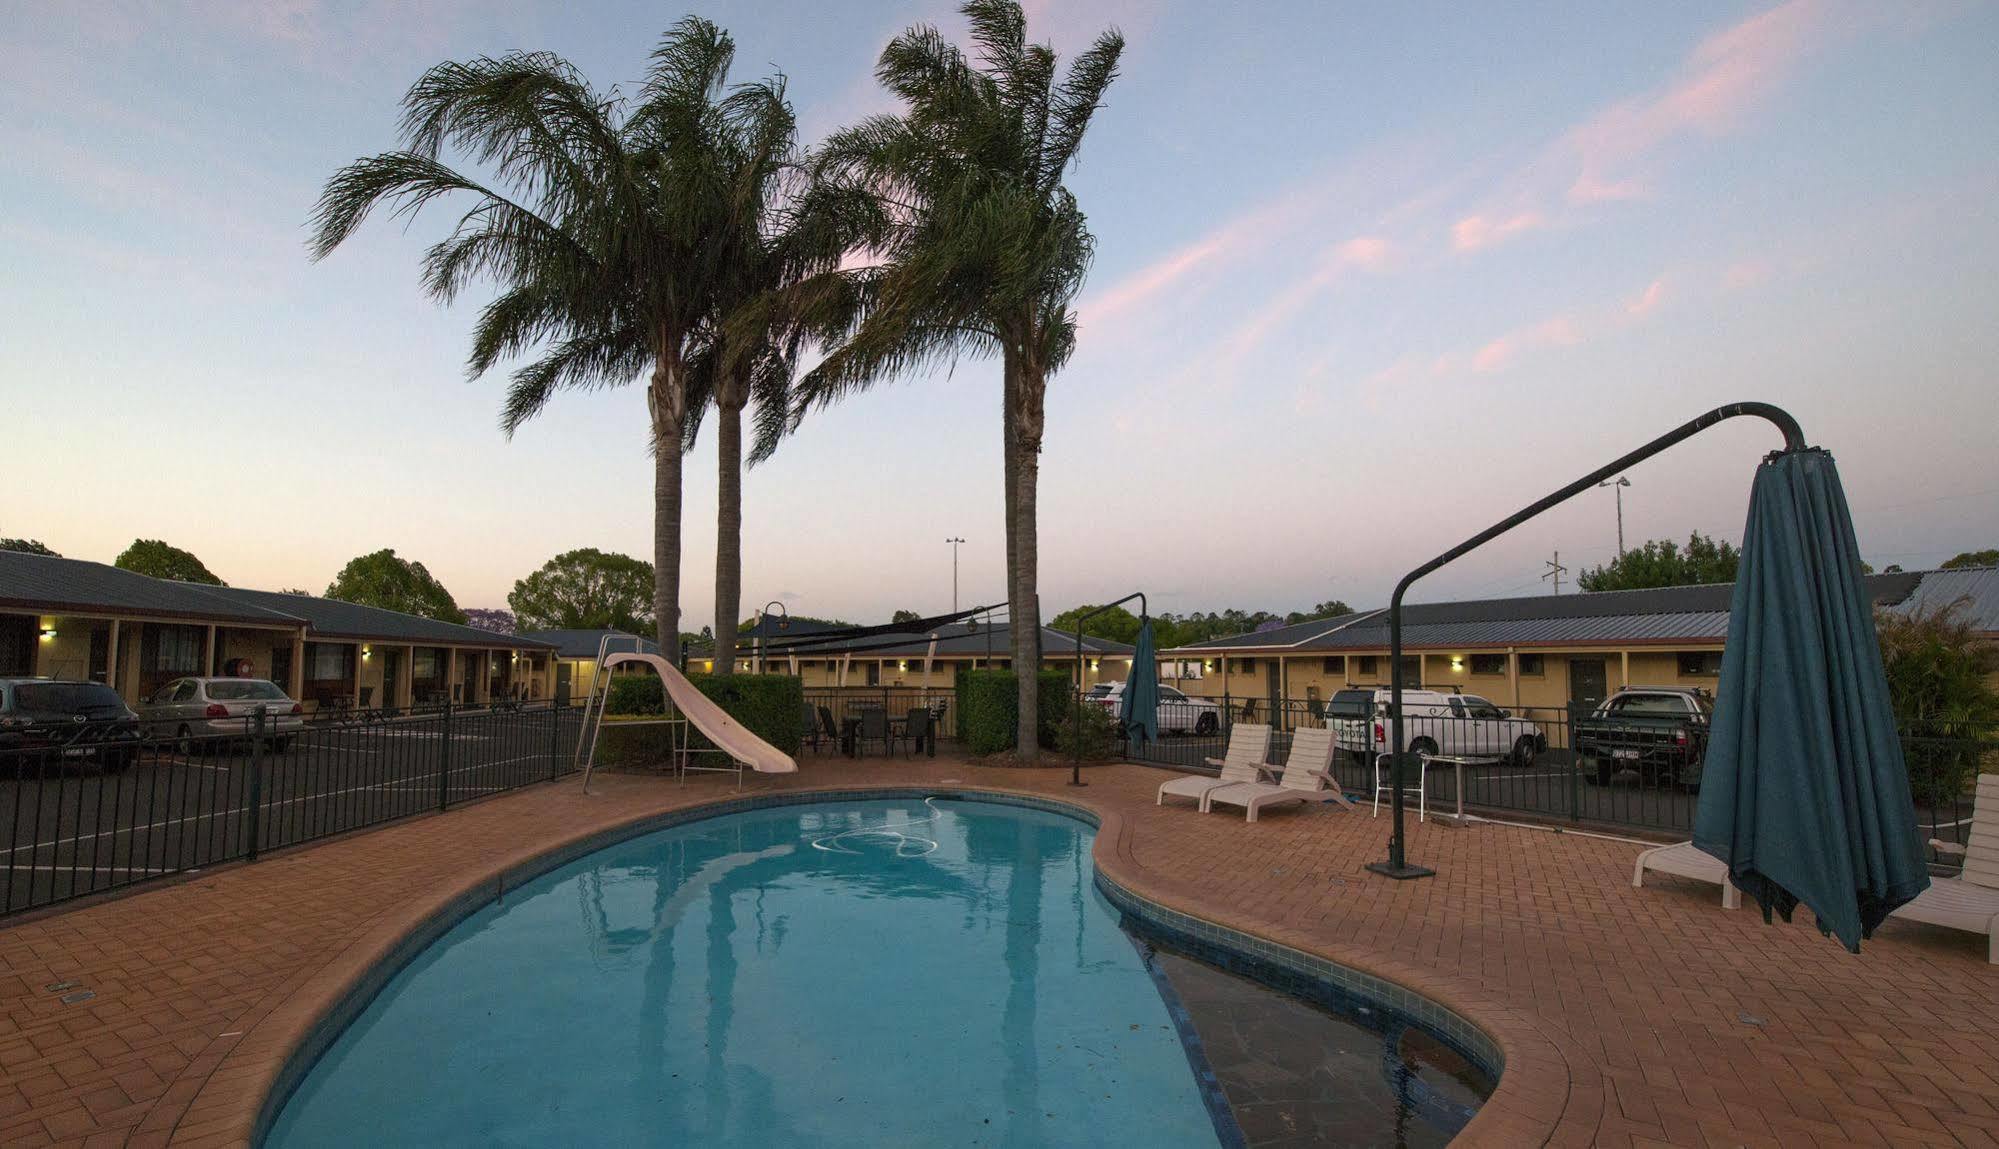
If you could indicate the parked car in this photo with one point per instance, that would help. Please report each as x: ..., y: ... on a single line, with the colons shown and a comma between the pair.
x: 1657, y: 732
x: 193, y: 711
x: 46, y: 719
x: 1433, y: 723
x: 1178, y: 713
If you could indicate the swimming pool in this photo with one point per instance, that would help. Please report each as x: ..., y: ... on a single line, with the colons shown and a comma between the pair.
x: 904, y: 971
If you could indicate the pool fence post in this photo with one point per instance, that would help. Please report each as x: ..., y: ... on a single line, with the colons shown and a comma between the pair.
x: 444, y: 762
x: 554, y: 740
x: 252, y: 827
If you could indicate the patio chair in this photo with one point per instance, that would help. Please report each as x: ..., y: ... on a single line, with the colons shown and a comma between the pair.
x: 1249, y: 742
x: 1384, y: 783
x: 808, y: 725
x: 1684, y: 860
x: 829, y: 730
x: 873, y: 728
x: 1969, y: 901
x: 915, y: 729
x: 1305, y: 778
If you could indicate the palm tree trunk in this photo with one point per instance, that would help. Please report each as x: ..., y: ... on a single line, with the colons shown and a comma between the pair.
x: 728, y: 529
x: 1023, y: 604
x: 669, y: 416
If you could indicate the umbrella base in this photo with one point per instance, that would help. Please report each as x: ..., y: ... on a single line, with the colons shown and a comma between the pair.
x: 1403, y: 872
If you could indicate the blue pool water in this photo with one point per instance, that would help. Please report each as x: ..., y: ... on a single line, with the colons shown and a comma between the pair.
x: 855, y: 973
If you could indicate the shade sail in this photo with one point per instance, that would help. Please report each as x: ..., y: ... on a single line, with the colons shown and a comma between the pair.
x: 1139, y: 708
x: 1804, y: 792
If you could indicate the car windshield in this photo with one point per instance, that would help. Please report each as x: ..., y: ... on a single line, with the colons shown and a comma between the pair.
x: 66, y: 697
x: 244, y: 690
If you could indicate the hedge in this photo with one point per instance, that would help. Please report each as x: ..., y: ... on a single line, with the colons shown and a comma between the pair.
x: 989, y: 707
x: 770, y: 706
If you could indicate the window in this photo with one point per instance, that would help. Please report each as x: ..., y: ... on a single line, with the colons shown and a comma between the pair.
x: 172, y: 649
x: 1664, y: 704
x: 1533, y: 664
x: 427, y: 665
x: 244, y: 690
x: 1368, y: 664
x: 1700, y: 663
x: 1488, y: 664
x: 1480, y: 708
x: 1246, y: 665
x: 1333, y: 664
x: 328, y: 662
x: 185, y: 691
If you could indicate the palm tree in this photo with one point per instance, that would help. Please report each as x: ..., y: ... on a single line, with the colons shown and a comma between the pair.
x: 979, y: 248
x: 609, y: 229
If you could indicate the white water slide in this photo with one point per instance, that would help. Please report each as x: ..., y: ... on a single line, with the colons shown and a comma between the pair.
x: 691, y: 708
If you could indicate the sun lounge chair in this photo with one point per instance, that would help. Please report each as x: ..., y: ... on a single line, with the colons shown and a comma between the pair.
x: 1304, y: 780
x: 1683, y: 860
x: 1971, y: 900
x: 1249, y: 742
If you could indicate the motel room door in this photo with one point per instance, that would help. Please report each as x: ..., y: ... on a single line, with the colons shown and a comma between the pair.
x: 1589, y: 684
x: 562, y: 682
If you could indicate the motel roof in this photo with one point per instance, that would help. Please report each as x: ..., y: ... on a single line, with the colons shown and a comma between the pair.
x: 954, y: 640
x: 1653, y: 617
x: 44, y: 584
x: 586, y: 643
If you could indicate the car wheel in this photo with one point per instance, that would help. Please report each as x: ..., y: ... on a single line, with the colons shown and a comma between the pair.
x: 1206, y: 724
x: 1596, y: 771
x: 1524, y: 751
x: 184, y: 741
x: 119, y: 761
x: 1423, y: 746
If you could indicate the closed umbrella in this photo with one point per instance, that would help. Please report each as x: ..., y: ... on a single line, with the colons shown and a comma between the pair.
x: 1139, y: 709
x: 1804, y: 792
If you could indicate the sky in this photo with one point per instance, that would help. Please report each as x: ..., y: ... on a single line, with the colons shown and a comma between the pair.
x: 1368, y: 278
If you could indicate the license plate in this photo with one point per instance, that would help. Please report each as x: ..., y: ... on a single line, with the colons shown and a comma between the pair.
x: 74, y: 752
x: 1624, y: 753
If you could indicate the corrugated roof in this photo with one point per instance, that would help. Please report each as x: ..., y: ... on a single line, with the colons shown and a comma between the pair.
x: 45, y: 583
x: 1656, y: 615
x: 957, y: 639
x: 335, y: 619
x: 1976, y: 587
x: 586, y: 643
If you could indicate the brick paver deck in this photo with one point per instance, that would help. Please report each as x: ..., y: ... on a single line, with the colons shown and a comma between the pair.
x: 1628, y: 1017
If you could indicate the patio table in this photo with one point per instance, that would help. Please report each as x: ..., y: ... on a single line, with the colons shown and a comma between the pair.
x: 1457, y: 763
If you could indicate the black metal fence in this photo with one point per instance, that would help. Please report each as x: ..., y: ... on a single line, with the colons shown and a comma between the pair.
x: 832, y: 707
x: 115, y: 804
x: 1550, y: 763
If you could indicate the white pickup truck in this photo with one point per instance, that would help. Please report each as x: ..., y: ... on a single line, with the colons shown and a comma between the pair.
x: 1433, y: 723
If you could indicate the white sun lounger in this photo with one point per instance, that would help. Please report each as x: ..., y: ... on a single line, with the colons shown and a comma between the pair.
x: 1249, y: 742
x: 1684, y: 860
x: 1971, y: 900
x: 1305, y: 778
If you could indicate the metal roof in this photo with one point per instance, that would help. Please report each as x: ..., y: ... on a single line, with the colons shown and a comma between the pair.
x: 586, y: 643
x: 46, y: 584
x: 1653, y: 616
x: 1976, y: 587
x: 956, y: 639
x: 332, y: 618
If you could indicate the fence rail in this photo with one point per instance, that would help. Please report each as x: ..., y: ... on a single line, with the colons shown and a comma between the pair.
x: 837, y: 704
x: 118, y: 804
x: 1556, y: 763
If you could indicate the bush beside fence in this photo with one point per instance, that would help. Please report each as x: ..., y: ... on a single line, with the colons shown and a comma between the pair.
x: 769, y: 706
x: 989, y: 708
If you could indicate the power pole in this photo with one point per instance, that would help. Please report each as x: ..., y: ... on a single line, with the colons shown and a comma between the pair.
x: 1619, y: 483
x: 1555, y: 571
x: 954, y: 573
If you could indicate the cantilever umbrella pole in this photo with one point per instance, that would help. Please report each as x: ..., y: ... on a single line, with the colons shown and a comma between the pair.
x: 1076, y: 704
x: 1398, y: 865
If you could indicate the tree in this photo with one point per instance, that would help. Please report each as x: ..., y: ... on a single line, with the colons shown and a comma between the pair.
x: 586, y: 589
x: 904, y: 616
x: 1661, y: 562
x: 607, y: 229
x: 1331, y: 609
x: 1984, y: 558
x: 1940, y: 685
x: 497, y: 621
x: 163, y: 560
x: 27, y: 547
x: 977, y: 249
x: 1116, y: 624
x: 383, y: 580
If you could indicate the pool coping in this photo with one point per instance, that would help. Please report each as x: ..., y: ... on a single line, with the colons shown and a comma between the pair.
x: 254, y: 1074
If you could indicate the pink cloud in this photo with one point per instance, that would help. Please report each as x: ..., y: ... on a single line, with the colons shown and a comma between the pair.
x: 1362, y: 253
x: 1744, y: 274
x: 1647, y: 299
x: 1477, y: 231
x: 1560, y: 331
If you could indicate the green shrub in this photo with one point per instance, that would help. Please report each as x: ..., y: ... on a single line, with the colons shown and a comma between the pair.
x: 770, y: 706
x: 1086, y: 731
x: 989, y: 707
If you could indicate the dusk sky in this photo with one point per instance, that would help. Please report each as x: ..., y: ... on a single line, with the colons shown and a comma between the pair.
x: 1369, y: 277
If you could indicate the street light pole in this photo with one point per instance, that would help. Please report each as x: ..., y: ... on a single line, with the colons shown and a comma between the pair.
x: 1618, y: 484
x: 763, y: 618
x: 954, y: 573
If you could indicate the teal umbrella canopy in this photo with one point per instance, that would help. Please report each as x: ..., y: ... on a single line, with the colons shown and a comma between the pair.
x: 1804, y: 792
x: 1139, y: 709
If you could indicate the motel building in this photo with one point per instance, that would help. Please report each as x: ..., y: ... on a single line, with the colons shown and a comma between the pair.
x: 926, y: 661
x: 85, y: 621
x: 1543, y: 651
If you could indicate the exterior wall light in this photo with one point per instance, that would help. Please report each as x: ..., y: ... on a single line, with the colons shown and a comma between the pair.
x: 1457, y: 662
x: 48, y: 633
x: 367, y: 652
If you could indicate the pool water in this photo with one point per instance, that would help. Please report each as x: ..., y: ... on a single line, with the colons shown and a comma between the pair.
x: 854, y: 973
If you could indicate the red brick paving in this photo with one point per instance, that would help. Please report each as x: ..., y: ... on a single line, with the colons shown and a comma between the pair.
x: 1628, y: 1017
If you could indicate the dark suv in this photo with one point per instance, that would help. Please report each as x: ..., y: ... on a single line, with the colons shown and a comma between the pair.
x: 46, y: 721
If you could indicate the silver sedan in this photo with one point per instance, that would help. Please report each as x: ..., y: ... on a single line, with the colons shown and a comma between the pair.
x: 197, y: 710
